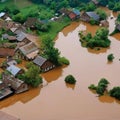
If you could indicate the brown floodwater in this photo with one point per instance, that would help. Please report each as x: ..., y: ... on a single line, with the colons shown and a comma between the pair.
x: 60, y: 101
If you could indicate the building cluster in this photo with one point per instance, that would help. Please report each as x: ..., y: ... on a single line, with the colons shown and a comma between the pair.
x: 25, y: 49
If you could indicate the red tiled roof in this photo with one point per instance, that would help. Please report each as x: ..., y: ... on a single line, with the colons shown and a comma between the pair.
x: 72, y: 15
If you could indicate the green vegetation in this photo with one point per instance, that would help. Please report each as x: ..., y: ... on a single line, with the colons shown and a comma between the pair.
x: 115, y: 92
x: 110, y: 57
x: 70, y: 79
x: 112, y: 4
x: 52, y: 53
x: 18, y: 60
x: 31, y: 76
x: 55, y: 27
x: 101, y: 87
x: 99, y: 40
x: 63, y: 60
x: 101, y: 13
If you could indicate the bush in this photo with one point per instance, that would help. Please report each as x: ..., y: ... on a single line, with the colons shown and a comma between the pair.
x: 101, y: 87
x: 115, y: 92
x: 63, y: 60
x: 110, y: 57
x: 92, y: 87
x: 18, y: 61
x: 70, y: 79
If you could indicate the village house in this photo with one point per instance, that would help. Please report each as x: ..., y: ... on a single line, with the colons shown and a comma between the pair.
x: 3, y: 15
x: 17, y: 85
x: 14, y: 70
x: 6, y: 52
x: 104, y: 23
x: 44, y: 64
x: 87, y: 16
x: 30, y: 22
x: 22, y: 37
x: 9, y: 37
x: 72, y: 14
x: 28, y: 51
x: 4, y: 90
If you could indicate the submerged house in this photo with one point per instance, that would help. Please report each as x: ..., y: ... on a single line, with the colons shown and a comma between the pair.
x: 28, y: 51
x: 44, y: 64
x: 4, y: 90
x: 18, y: 86
x: 87, y: 16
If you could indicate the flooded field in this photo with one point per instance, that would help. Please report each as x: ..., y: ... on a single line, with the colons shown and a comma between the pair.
x: 60, y: 101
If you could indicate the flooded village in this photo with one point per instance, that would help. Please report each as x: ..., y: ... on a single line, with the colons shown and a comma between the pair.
x: 54, y: 99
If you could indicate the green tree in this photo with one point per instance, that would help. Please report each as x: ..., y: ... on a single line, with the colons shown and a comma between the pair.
x: 101, y: 13
x: 115, y: 92
x: 70, y: 79
x: 50, y: 51
x: 110, y: 57
x: 32, y: 76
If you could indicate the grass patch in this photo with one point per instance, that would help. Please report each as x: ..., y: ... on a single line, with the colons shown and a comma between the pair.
x: 55, y: 28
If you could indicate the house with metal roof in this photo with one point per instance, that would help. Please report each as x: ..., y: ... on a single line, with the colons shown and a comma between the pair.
x: 17, y: 85
x: 87, y: 16
x: 14, y: 70
x: 44, y: 64
x: 28, y: 51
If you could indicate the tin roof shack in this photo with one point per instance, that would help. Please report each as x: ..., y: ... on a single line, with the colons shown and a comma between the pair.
x: 87, y: 16
x: 4, y: 91
x: 44, y: 64
x: 22, y: 37
x: 14, y: 70
x: 5, y: 116
x: 28, y: 51
x: 16, y: 84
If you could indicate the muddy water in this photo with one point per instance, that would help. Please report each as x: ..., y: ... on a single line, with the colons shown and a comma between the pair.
x: 59, y: 101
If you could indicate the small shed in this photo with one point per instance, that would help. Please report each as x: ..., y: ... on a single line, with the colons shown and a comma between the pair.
x: 44, y: 64
x: 14, y: 70
x: 87, y: 16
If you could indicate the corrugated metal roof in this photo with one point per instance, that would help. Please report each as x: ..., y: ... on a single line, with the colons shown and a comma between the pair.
x: 2, y: 14
x: 28, y: 48
x: 93, y: 15
x: 13, y: 69
x: 77, y: 12
x: 39, y: 60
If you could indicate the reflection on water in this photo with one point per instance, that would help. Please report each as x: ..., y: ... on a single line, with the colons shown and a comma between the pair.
x: 53, y: 74
x: 23, y: 97
x: 70, y: 86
